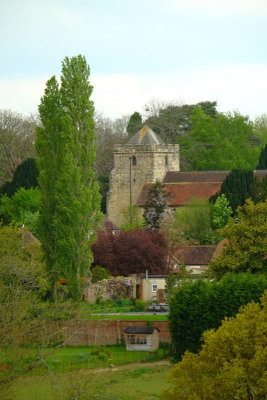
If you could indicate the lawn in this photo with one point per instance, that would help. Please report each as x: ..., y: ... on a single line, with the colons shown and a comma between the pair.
x: 71, y: 358
x: 85, y: 373
x: 128, y: 317
x: 135, y: 384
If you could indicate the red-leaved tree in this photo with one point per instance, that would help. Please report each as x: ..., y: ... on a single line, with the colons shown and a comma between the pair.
x: 130, y: 252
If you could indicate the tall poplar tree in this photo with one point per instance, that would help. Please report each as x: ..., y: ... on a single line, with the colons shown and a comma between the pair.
x: 70, y: 197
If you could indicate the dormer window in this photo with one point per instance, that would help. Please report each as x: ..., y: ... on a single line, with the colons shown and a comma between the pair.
x: 134, y: 160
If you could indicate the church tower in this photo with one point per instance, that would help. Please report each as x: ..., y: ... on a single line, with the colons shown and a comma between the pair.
x: 145, y: 158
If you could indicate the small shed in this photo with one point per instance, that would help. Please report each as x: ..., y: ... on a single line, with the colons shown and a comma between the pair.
x: 141, y: 338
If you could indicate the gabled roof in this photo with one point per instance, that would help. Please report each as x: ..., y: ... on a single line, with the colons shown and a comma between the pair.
x: 203, y: 176
x: 196, y: 176
x: 194, y: 255
x: 181, y: 193
x: 140, y: 329
x: 145, y: 137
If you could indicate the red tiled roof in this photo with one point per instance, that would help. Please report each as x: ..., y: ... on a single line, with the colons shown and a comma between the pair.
x: 194, y: 255
x: 202, y: 176
x: 181, y: 193
x: 195, y: 176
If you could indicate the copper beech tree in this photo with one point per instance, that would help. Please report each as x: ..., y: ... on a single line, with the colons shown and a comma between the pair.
x: 130, y: 252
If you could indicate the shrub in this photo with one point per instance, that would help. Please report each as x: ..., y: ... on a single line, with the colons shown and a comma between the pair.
x: 198, y: 306
x: 140, y: 305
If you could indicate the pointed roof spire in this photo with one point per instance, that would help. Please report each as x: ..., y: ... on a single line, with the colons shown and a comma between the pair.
x: 145, y: 137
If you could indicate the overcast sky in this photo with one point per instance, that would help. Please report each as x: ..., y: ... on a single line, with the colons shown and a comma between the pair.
x: 138, y: 50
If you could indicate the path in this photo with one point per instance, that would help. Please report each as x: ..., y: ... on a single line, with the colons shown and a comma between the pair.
x: 165, y: 363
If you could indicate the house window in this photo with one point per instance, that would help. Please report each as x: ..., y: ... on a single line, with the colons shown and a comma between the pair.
x: 134, y: 339
x: 134, y: 160
x: 154, y: 287
x: 131, y: 339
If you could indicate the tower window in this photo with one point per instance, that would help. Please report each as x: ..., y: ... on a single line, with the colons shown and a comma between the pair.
x: 134, y: 160
x: 166, y: 161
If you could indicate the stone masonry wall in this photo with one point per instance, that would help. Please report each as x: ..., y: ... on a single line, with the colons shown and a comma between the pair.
x: 152, y: 163
x: 105, y: 332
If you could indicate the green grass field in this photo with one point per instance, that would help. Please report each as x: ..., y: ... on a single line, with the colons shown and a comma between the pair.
x: 69, y: 358
x: 80, y: 373
x: 127, y: 317
x: 136, y: 384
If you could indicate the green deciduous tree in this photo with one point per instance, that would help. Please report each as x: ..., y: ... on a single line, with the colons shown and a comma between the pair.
x: 195, y: 217
x: 21, y: 208
x: 201, y: 305
x: 221, y: 211
x: 69, y: 193
x: 246, y: 246
x: 231, y: 363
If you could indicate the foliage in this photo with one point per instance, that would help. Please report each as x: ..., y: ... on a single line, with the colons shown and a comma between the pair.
x: 200, y: 305
x: 155, y: 206
x: 99, y: 273
x: 134, y: 124
x: 23, y: 335
x: 140, y: 305
x: 21, y: 259
x: 118, y: 288
x: 221, y: 211
x: 174, y: 234
x: 237, y: 187
x: 16, y: 142
x: 223, y: 142
x: 246, y: 246
x: 22, y: 208
x: 175, y: 280
x: 133, y: 219
x: 25, y: 175
x: 172, y: 121
x: 69, y: 193
x: 262, y: 164
x: 259, y: 189
x: 130, y: 252
x: 231, y: 363
x: 195, y: 217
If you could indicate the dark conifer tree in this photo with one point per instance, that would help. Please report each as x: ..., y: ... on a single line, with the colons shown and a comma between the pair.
x: 262, y: 164
x: 134, y: 124
x: 25, y: 175
x: 237, y: 187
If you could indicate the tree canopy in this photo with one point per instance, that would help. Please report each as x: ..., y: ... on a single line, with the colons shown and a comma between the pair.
x: 70, y: 199
x: 231, y: 363
x: 130, y: 252
x: 200, y: 305
x: 246, y: 245
x: 155, y: 206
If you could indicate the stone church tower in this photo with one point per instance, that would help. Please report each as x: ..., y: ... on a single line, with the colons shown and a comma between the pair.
x: 145, y: 158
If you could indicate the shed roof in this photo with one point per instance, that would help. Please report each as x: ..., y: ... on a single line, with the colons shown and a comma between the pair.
x: 145, y: 137
x: 140, y: 329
